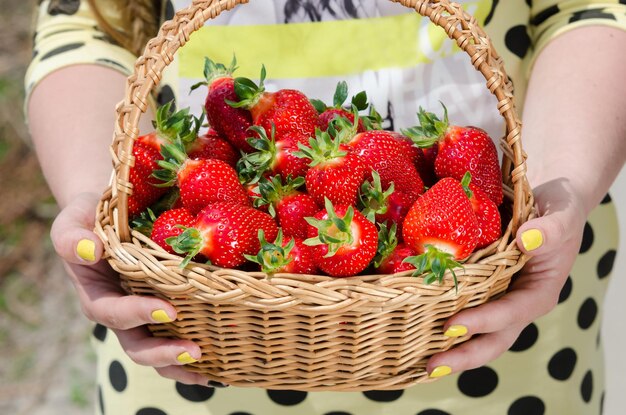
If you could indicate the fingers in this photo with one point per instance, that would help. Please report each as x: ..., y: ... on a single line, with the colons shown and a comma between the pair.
x: 181, y: 375
x: 157, y: 352
x: 72, y: 233
x: 546, y: 234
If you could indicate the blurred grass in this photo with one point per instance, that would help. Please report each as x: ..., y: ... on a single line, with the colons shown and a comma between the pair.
x: 44, y: 365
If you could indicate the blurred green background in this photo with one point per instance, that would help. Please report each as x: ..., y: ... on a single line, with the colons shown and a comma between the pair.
x: 45, y: 364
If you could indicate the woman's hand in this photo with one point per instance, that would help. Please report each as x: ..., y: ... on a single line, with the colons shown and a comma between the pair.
x: 553, y: 240
x: 103, y: 301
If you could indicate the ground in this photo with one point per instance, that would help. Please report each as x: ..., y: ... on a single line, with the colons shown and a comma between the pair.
x: 47, y: 365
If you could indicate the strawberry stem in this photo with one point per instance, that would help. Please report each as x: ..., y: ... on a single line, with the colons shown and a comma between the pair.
x: 248, y: 92
x: 430, y: 130
x: 435, y: 263
x: 272, y: 257
x: 387, y: 242
x: 333, y: 232
x: 189, y: 242
x: 373, y: 199
x: 213, y: 71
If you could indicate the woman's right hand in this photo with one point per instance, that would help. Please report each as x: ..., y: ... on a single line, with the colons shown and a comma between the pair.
x: 103, y: 301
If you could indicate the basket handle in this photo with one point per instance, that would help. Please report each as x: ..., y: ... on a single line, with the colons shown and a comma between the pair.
x: 159, y: 53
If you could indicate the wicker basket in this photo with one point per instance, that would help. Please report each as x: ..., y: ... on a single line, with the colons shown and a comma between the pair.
x: 307, y: 332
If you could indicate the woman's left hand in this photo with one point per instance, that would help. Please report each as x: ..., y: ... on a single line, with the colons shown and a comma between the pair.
x: 553, y: 240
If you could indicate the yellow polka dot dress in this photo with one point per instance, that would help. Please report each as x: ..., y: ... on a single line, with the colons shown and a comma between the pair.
x: 403, y: 62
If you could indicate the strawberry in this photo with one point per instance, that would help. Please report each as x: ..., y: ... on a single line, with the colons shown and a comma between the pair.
x: 289, y: 110
x: 287, y: 204
x: 290, y: 256
x: 200, y: 181
x: 273, y: 157
x: 145, y: 186
x: 169, y: 126
x: 212, y: 146
x: 383, y: 206
x: 334, y: 172
x: 327, y: 114
x: 487, y: 213
x: 168, y: 225
x: 224, y: 232
x: 344, y: 241
x: 230, y: 123
x: 422, y: 159
x: 460, y: 149
x: 442, y: 217
x: 391, y: 253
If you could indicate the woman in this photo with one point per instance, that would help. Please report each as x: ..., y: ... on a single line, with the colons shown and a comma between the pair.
x: 530, y: 355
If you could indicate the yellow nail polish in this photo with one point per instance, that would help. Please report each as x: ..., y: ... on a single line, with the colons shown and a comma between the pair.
x: 160, y: 316
x: 532, y: 239
x: 457, y: 330
x: 86, y: 249
x: 185, y: 358
x: 440, y: 371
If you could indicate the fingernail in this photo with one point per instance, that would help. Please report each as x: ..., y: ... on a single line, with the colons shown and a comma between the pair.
x: 86, y: 250
x: 185, y: 358
x: 532, y: 239
x: 440, y: 371
x: 215, y: 384
x: 160, y: 316
x: 457, y: 330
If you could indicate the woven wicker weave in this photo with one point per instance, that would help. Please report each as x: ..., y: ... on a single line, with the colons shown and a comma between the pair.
x: 309, y: 332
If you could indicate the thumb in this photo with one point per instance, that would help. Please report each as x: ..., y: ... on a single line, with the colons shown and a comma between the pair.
x: 548, y: 233
x: 72, y: 231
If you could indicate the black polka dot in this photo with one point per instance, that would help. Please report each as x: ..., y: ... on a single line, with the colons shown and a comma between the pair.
x: 287, y: 398
x: 587, y: 313
x: 606, y: 200
x: 100, y: 400
x: 494, y: 4
x: 337, y: 413
x: 526, y: 339
x: 586, y: 387
x: 587, y: 239
x: 605, y: 264
x: 100, y: 332
x: 561, y: 365
x: 528, y: 405
x: 591, y: 14
x: 433, y: 412
x: 478, y: 382
x: 61, y: 49
x: 383, y: 396
x: 166, y: 94
x: 117, y: 376
x: 194, y: 393
x: 239, y: 413
x: 150, y: 411
x: 566, y: 291
x: 169, y: 10
x: 517, y: 40
x: 544, y: 15
x: 68, y: 7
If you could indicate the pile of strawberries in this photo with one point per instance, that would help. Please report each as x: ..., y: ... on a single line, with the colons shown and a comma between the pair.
x: 282, y: 183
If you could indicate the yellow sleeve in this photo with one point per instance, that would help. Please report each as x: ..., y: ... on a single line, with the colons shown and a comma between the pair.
x: 67, y: 33
x: 551, y: 18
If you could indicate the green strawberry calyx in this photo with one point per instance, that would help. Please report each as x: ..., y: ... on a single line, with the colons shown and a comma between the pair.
x: 273, y: 190
x: 333, y: 232
x: 251, y: 166
x: 144, y: 223
x: 339, y: 98
x: 189, y: 242
x: 174, y: 156
x: 171, y: 125
x: 272, y: 257
x: 387, y: 243
x: 214, y: 70
x: 430, y: 130
x: 465, y: 182
x: 322, y: 148
x: 248, y: 92
x: 434, y: 263
x: 372, y: 198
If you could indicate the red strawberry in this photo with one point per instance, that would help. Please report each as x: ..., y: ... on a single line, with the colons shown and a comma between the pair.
x: 231, y: 123
x: 290, y: 256
x: 167, y: 226
x: 287, y: 204
x: 383, y: 206
x: 460, y: 149
x: 224, y: 232
x: 170, y: 126
x: 289, y: 110
x: 391, y: 254
x: 335, y: 173
x: 271, y: 157
x: 442, y: 217
x: 212, y: 146
x: 423, y: 159
x: 145, y: 190
x: 327, y: 114
x: 487, y: 213
x: 200, y: 181
x: 344, y: 241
